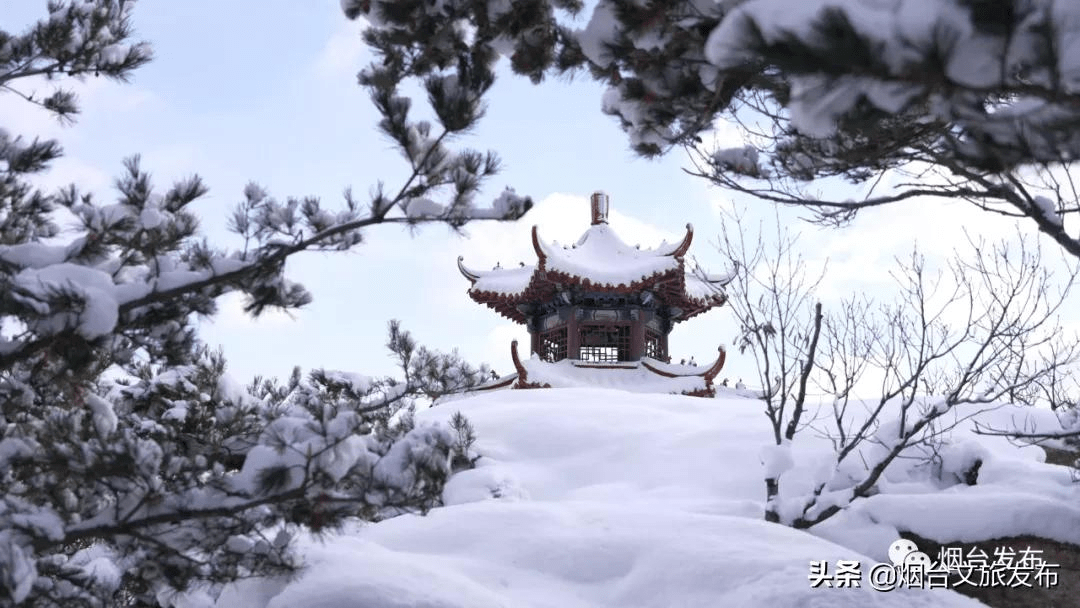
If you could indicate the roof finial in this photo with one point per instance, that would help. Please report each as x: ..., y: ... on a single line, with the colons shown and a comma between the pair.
x: 599, y: 205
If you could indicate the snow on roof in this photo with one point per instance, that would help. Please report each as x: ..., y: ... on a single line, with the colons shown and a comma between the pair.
x: 599, y: 256
x: 602, y: 257
x: 702, y: 285
x: 699, y: 289
x: 625, y: 375
x: 676, y: 369
x: 506, y: 281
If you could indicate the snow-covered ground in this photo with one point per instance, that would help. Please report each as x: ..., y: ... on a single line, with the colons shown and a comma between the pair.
x: 602, y: 498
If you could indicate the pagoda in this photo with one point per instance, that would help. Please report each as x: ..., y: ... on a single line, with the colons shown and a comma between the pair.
x: 599, y: 311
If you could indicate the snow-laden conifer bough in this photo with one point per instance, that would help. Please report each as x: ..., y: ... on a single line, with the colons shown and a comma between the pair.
x: 975, y: 101
x: 132, y: 466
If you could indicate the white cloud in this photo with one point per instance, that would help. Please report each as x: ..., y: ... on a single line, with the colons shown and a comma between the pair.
x: 497, y: 346
x: 559, y: 217
x: 95, y: 96
x: 861, y: 255
x: 724, y: 134
x: 343, y: 52
x: 171, y: 161
x: 70, y: 170
x: 231, y: 316
x: 24, y: 118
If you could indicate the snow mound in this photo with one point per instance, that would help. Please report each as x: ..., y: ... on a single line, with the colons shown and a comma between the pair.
x: 599, y: 498
x: 575, y: 555
x: 627, y: 376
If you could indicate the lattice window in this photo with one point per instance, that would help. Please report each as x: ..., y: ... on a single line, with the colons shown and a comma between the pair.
x: 654, y: 346
x: 605, y: 343
x: 553, y: 344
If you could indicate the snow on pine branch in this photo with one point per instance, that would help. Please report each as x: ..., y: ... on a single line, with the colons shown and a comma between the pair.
x: 824, y: 88
x: 1047, y: 209
x: 507, y: 204
x: 190, y: 458
x: 671, y: 69
x: 837, y: 54
x: 981, y: 50
x: 77, y: 38
x: 742, y: 160
x: 141, y: 251
x: 135, y: 466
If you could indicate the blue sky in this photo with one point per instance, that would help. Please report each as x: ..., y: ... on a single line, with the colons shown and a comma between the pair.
x: 266, y: 92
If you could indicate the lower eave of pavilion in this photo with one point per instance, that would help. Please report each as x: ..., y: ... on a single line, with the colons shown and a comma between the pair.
x: 521, y: 379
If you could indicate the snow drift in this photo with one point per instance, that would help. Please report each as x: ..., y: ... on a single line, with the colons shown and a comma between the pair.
x: 602, y: 498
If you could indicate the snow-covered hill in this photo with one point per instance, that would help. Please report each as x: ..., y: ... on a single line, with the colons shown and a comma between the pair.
x: 600, y: 498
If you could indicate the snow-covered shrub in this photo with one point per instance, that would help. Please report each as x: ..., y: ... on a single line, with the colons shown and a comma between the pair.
x: 960, y: 462
x: 464, y: 457
x: 131, y: 465
x: 924, y: 365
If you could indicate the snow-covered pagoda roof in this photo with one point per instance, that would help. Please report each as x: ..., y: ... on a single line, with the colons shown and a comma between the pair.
x: 599, y: 261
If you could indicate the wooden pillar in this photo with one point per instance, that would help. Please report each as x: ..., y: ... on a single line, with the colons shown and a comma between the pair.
x: 573, y: 335
x: 534, y: 341
x: 637, y: 338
